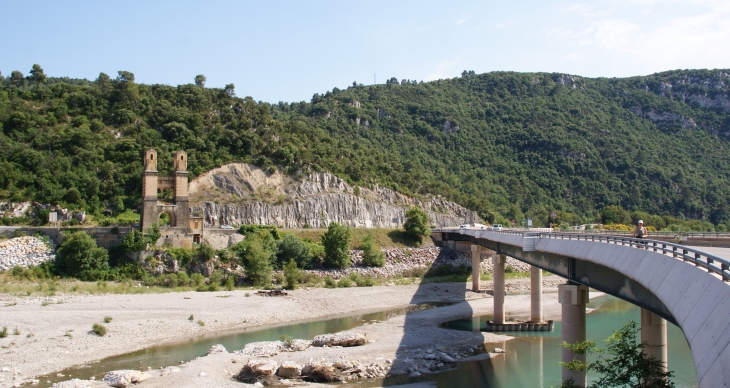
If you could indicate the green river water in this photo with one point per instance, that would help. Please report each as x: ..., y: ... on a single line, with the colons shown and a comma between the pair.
x: 531, y: 359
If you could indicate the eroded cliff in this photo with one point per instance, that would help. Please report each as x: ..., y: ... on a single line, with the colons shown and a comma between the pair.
x: 239, y: 193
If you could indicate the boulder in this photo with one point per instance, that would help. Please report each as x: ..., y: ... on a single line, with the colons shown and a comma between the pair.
x: 339, y: 339
x: 75, y: 383
x: 124, y: 378
x: 217, y: 348
x: 262, y: 349
x: 298, y: 345
x: 258, y: 368
x: 290, y: 370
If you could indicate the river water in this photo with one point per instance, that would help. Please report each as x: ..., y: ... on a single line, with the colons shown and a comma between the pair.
x: 531, y: 360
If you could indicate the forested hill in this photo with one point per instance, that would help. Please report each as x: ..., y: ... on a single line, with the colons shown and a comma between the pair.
x: 506, y: 144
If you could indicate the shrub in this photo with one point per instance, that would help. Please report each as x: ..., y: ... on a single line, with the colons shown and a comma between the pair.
x: 18, y: 233
x: 417, y: 224
x: 197, y: 279
x: 17, y: 271
x: 344, y: 283
x: 292, y: 274
x: 329, y: 282
x: 107, y: 319
x: 4, y: 332
x: 201, y: 323
x: 230, y: 282
x: 183, y: 279
x: 216, y: 278
x: 279, y: 278
x: 311, y: 279
x: 79, y: 256
x: 371, y: 253
x: 203, y: 253
x: 292, y: 247
x: 170, y: 280
x: 99, y: 329
x: 251, y: 229
x: 336, y: 244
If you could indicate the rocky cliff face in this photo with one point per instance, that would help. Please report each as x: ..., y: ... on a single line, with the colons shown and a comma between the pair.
x: 239, y: 193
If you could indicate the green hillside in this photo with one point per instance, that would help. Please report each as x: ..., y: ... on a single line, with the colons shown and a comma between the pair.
x: 506, y: 144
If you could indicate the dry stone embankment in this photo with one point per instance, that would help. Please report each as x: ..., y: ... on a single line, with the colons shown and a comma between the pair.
x: 25, y: 252
x: 405, y: 260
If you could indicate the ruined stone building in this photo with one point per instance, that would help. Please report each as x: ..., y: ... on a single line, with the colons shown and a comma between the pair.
x: 184, y: 229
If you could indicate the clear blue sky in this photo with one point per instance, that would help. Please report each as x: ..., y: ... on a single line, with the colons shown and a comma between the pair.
x: 288, y: 50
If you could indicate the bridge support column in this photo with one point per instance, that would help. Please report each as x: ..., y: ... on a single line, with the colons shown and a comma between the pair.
x: 573, y: 298
x: 498, y: 261
x: 654, y: 335
x: 476, y: 256
x: 535, y: 294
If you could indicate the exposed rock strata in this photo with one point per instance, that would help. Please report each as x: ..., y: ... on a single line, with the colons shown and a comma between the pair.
x: 238, y: 193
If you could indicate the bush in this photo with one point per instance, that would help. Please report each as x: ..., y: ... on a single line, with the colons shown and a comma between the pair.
x: 290, y: 248
x: 230, y: 282
x: 216, y: 278
x: 107, y: 319
x: 183, y: 279
x: 250, y: 229
x: 4, y: 332
x: 417, y: 224
x: 292, y: 274
x: 344, y: 283
x: 371, y: 253
x: 336, y: 244
x: 79, y: 256
x: 197, y: 279
x: 203, y: 253
x: 99, y: 329
x: 311, y: 279
x: 18, y: 233
x: 329, y: 282
x: 615, y: 215
x: 170, y: 280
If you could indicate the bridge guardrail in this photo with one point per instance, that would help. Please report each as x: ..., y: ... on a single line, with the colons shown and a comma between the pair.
x: 712, y: 263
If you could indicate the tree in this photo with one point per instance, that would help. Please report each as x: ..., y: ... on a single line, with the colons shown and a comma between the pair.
x: 37, y: 75
x: 230, y: 90
x: 371, y: 253
x: 292, y: 274
x: 628, y: 367
x: 417, y: 224
x: 200, y: 81
x: 615, y: 215
x: 337, y: 245
x: 79, y: 255
x: 255, y: 258
x: 290, y: 248
x: 16, y: 78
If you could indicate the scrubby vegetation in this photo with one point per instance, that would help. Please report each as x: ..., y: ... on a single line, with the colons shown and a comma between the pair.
x: 509, y: 145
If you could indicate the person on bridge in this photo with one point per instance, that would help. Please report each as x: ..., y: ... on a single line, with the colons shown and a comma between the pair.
x: 640, y: 231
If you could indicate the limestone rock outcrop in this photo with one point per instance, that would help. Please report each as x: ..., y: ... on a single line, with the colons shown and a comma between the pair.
x: 238, y: 193
x: 339, y: 339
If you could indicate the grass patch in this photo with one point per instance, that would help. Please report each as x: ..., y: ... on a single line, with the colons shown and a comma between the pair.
x: 98, y: 329
x: 4, y: 332
x: 201, y: 323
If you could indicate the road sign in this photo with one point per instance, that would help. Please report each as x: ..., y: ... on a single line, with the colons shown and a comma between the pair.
x: 529, y: 222
x: 52, y: 217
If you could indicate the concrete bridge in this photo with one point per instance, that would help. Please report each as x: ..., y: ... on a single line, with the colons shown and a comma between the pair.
x: 670, y: 282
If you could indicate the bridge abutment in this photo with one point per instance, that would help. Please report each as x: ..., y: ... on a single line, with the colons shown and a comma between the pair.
x: 573, y: 299
x: 498, y: 261
x: 535, y: 294
x: 654, y: 336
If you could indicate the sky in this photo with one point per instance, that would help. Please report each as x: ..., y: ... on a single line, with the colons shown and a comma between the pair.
x: 289, y: 50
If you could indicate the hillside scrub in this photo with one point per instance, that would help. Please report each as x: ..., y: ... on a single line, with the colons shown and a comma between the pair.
x: 509, y: 145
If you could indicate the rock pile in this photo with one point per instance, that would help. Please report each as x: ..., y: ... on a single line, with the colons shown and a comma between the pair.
x: 405, y: 260
x: 419, y: 362
x: 124, y: 378
x: 25, y: 252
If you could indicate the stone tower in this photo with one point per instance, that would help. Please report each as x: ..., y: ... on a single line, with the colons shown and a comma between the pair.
x: 149, y: 190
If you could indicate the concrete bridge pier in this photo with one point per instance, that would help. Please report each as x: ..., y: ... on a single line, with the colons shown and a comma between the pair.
x: 498, y: 261
x: 654, y: 336
x: 535, y: 294
x: 573, y: 298
x: 476, y: 256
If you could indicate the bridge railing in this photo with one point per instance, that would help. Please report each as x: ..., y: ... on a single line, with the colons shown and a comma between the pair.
x: 712, y: 263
